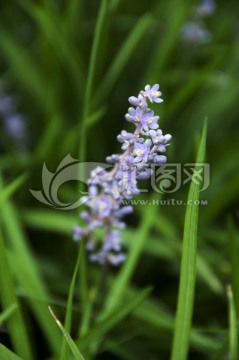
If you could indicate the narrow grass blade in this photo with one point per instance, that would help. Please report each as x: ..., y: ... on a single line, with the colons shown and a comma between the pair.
x: 84, y: 290
x: 48, y: 220
x: 123, y: 55
x: 18, y: 59
x: 73, y: 135
x: 50, y: 27
x: 82, y: 149
x: 165, y: 43
x: 155, y: 314
x: 188, y: 267
x: 233, y: 240
x: 47, y: 139
x: 7, y: 313
x: 222, y: 351
x: 6, y: 354
x: 25, y: 270
x: 74, y: 15
x: 106, y: 325
x: 74, y: 349
x: 171, y: 247
x: 233, y: 329
x: 90, y: 77
x: 122, y: 280
x: 16, y: 324
x: 11, y: 188
x: 67, y: 324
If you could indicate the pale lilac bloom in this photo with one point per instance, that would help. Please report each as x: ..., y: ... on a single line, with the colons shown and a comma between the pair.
x: 78, y: 233
x: 113, y: 241
x: 124, y: 211
x: 153, y: 94
x: 103, y: 257
x: 15, y: 126
x: 195, y: 33
x: 127, y: 179
x: 159, y: 159
x: 13, y: 122
x: 103, y: 207
x: 141, y: 151
x: 116, y: 259
x: 138, y: 101
x: 99, y: 257
x: 149, y: 121
x: 7, y: 106
x: 205, y: 8
x: 109, y: 189
x: 159, y: 139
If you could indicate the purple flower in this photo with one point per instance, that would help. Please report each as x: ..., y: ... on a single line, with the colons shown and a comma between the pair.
x: 134, y: 100
x: 144, y: 175
x: 99, y: 257
x: 159, y: 159
x: 125, y: 136
x: 85, y: 215
x: 138, y: 101
x: 160, y: 140
x: 108, y: 190
x: 149, y: 121
x: 7, y: 106
x: 78, y: 233
x: 103, y: 207
x: 141, y: 152
x: 116, y: 259
x: 153, y: 94
x: 112, y: 159
x: 127, y: 177
x: 124, y: 211
x: 206, y: 8
x: 113, y: 241
x: 134, y: 115
x: 195, y: 33
x: 102, y: 257
x: 13, y: 122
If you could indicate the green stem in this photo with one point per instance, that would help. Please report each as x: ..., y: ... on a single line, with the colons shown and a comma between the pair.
x: 86, y: 308
x: 90, y: 78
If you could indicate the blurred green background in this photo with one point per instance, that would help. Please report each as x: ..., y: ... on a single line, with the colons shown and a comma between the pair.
x: 67, y: 69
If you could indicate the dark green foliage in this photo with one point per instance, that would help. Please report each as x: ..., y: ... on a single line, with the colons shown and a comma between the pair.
x: 70, y: 67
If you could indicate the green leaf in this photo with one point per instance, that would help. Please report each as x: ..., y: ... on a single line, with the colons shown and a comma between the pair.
x: 233, y: 329
x: 12, y: 187
x: 16, y: 324
x: 75, y: 351
x: 67, y: 325
x: 73, y: 135
x: 155, y: 314
x: 233, y: 241
x: 82, y: 149
x: 124, y: 276
x: 90, y: 77
x: 6, y: 354
x: 24, y: 268
x: 18, y: 58
x: 124, y: 54
x: 106, y: 325
x: 188, y: 266
x: 48, y: 220
x: 7, y: 313
x: 50, y: 27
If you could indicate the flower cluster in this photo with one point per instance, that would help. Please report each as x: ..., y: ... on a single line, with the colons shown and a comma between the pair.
x: 194, y: 31
x: 109, y: 189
